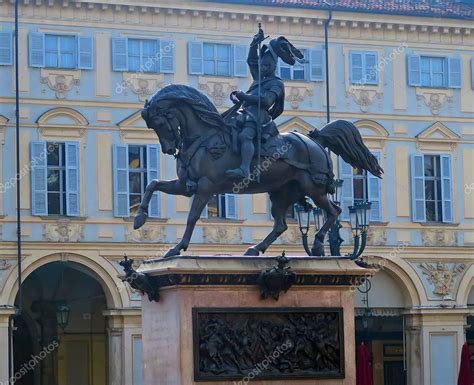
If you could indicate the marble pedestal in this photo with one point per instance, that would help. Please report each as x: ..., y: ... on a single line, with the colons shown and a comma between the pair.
x: 187, y: 283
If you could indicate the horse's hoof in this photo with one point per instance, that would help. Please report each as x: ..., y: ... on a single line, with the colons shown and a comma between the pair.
x: 171, y: 253
x: 317, y: 250
x: 252, y: 251
x: 140, y: 220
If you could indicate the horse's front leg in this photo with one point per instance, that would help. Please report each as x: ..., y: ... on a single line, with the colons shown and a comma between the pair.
x: 174, y: 187
x: 199, y: 202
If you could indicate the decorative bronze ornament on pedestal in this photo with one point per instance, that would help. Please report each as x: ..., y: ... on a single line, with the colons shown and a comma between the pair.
x: 139, y: 281
x: 276, y: 280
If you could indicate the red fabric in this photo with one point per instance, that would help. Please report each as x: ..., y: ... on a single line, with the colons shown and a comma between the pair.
x: 363, y: 371
x: 465, y: 373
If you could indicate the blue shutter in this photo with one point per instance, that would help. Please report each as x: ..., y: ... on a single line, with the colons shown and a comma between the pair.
x: 374, y: 194
x: 153, y: 172
x: 231, y: 206
x: 454, y: 72
x: 6, y: 48
x: 240, y: 60
x: 446, y: 188
x: 121, y: 187
x: 370, y: 64
x: 347, y: 197
x: 195, y: 58
x: 167, y: 57
x: 414, y: 70
x: 316, y: 65
x: 355, y: 67
x: 418, y: 204
x: 85, y: 54
x: 120, y: 54
x: 39, y: 185
x: 36, y: 49
x: 472, y: 73
x: 72, y: 179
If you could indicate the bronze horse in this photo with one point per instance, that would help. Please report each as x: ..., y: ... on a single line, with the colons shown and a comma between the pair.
x: 190, y: 128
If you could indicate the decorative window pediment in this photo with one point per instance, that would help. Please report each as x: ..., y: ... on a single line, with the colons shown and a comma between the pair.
x: 297, y: 124
x: 437, y: 137
x: 373, y: 133
x: 134, y: 127
x: 62, y: 122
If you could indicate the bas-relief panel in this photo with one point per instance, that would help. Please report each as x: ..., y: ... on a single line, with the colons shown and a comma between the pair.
x: 222, y: 234
x: 441, y: 280
x: 6, y: 266
x: 63, y: 230
x: 150, y: 233
x: 439, y: 237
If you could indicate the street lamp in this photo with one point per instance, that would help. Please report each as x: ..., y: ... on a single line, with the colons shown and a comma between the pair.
x: 359, y: 216
x: 62, y: 314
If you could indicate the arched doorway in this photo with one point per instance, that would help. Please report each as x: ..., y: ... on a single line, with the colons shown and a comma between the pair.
x: 380, y: 325
x: 470, y: 323
x: 61, y: 338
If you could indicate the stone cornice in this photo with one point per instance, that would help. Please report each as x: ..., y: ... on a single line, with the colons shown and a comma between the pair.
x: 267, y: 15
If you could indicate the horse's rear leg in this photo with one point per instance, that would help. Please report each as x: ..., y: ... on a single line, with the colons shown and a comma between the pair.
x: 321, y: 199
x: 281, y: 200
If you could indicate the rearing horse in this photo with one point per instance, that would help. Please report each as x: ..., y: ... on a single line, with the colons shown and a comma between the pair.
x: 297, y: 166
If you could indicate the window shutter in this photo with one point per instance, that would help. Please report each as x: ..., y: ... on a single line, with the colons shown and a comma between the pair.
x: 39, y: 185
x: 85, y: 53
x: 119, y: 54
x: 414, y: 70
x: 240, y: 60
x: 121, y: 187
x: 153, y: 172
x: 472, y: 73
x: 418, y: 204
x: 316, y: 65
x: 195, y: 58
x: 231, y: 206
x: 6, y: 48
x: 355, y: 67
x: 205, y: 212
x: 346, y: 174
x: 374, y: 193
x: 370, y: 60
x: 72, y: 179
x: 446, y: 188
x: 454, y: 72
x: 36, y: 49
x: 167, y: 57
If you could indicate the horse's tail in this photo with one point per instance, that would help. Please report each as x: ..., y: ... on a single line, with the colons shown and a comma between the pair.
x: 343, y: 138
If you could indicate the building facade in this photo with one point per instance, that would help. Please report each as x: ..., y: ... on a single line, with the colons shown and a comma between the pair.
x: 404, y: 77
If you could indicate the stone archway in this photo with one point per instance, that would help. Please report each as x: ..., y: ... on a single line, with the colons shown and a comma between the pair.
x: 48, y: 352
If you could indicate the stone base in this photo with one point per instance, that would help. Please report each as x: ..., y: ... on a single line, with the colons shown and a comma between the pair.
x: 187, y: 283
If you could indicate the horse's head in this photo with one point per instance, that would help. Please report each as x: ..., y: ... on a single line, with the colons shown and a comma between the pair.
x: 162, y: 118
x: 175, y: 110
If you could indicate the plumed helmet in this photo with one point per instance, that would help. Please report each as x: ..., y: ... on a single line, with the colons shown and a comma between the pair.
x: 283, y: 49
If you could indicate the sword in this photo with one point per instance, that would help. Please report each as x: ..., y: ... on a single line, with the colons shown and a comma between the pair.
x: 259, y: 125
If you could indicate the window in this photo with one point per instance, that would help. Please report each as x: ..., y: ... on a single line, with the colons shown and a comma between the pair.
x: 143, y: 55
x: 359, y: 185
x: 134, y: 167
x: 434, y: 71
x: 363, y: 67
x: 221, y: 206
x: 55, y: 178
x: 431, y: 188
x: 217, y: 59
x: 293, y: 72
x: 60, y: 51
x: 6, y: 48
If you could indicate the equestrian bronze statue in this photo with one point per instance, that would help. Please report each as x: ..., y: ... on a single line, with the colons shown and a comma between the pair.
x: 241, y: 151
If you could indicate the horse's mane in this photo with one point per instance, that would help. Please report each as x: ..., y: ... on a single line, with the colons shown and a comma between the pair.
x: 200, y: 103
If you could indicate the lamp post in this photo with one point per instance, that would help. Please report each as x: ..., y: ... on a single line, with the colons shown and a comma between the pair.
x: 62, y: 314
x: 359, y: 215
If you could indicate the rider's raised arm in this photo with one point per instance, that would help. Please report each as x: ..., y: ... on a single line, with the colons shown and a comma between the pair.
x: 252, y: 60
